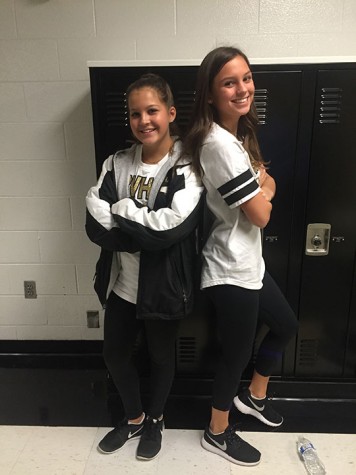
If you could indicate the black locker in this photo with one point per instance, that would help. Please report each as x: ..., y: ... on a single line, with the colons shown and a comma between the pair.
x: 327, y: 280
x: 293, y: 139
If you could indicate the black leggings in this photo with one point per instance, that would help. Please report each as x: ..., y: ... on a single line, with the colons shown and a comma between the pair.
x: 238, y: 311
x: 121, y: 329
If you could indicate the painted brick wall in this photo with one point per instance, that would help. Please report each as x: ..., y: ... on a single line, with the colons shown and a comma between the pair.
x: 46, y: 138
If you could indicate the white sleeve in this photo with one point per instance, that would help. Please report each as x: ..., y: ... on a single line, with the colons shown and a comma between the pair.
x: 226, y: 167
x: 100, y: 197
x: 183, y: 203
x: 167, y: 225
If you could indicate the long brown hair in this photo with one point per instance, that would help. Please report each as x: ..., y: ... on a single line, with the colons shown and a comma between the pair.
x: 204, y: 113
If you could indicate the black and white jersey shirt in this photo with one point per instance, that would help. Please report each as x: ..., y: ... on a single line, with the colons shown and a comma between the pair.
x: 233, y: 252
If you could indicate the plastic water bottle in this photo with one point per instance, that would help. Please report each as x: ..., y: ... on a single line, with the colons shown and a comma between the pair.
x: 308, y: 454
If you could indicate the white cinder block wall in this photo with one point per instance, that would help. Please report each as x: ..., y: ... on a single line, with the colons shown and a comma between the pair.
x: 46, y: 140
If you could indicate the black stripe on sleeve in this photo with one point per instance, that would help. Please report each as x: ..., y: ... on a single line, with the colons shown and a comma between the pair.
x: 240, y: 194
x: 235, y: 182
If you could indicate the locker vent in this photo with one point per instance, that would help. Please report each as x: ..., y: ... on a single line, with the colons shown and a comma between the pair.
x: 261, y: 99
x: 117, y: 114
x: 184, y: 101
x: 115, y: 109
x: 308, y: 352
x: 186, y: 350
x: 330, y: 105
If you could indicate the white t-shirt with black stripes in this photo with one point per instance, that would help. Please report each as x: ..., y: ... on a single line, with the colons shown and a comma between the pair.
x: 233, y: 252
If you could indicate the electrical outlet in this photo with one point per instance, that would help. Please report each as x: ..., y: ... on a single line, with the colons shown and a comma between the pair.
x: 93, y: 319
x: 30, y: 289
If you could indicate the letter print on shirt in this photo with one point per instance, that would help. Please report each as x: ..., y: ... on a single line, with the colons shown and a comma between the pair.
x: 140, y: 187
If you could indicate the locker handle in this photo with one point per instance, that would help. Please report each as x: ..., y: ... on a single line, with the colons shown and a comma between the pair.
x: 338, y: 239
x: 271, y: 238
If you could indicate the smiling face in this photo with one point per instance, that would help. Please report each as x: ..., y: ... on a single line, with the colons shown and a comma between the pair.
x: 150, y: 118
x: 232, y: 92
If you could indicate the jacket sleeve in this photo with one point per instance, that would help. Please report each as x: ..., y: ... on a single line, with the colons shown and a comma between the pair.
x: 100, y: 225
x: 161, y: 228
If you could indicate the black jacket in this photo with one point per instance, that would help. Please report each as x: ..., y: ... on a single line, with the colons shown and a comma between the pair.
x: 164, y: 232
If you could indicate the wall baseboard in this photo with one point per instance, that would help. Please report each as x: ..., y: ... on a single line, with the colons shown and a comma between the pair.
x: 51, y: 354
x: 87, y: 355
x: 292, y: 389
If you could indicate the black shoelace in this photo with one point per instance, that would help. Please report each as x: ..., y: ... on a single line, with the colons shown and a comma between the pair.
x: 231, y: 436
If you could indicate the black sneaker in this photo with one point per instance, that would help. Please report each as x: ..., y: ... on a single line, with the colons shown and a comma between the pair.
x: 230, y: 446
x: 260, y: 408
x: 151, y: 439
x: 117, y: 438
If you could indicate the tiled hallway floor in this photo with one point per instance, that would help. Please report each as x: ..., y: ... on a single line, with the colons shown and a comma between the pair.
x: 36, y: 450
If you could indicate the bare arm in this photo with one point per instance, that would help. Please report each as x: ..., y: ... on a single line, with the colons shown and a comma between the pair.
x: 267, y: 184
x: 258, y: 210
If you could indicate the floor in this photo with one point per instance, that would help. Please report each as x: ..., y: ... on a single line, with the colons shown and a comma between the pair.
x: 28, y: 450
x: 52, y: 420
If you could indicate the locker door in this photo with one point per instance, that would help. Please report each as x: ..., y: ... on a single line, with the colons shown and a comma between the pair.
x: 350, y: 358
x: 327, y: 280
x: 278, y: 96
x: 277, y: 99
